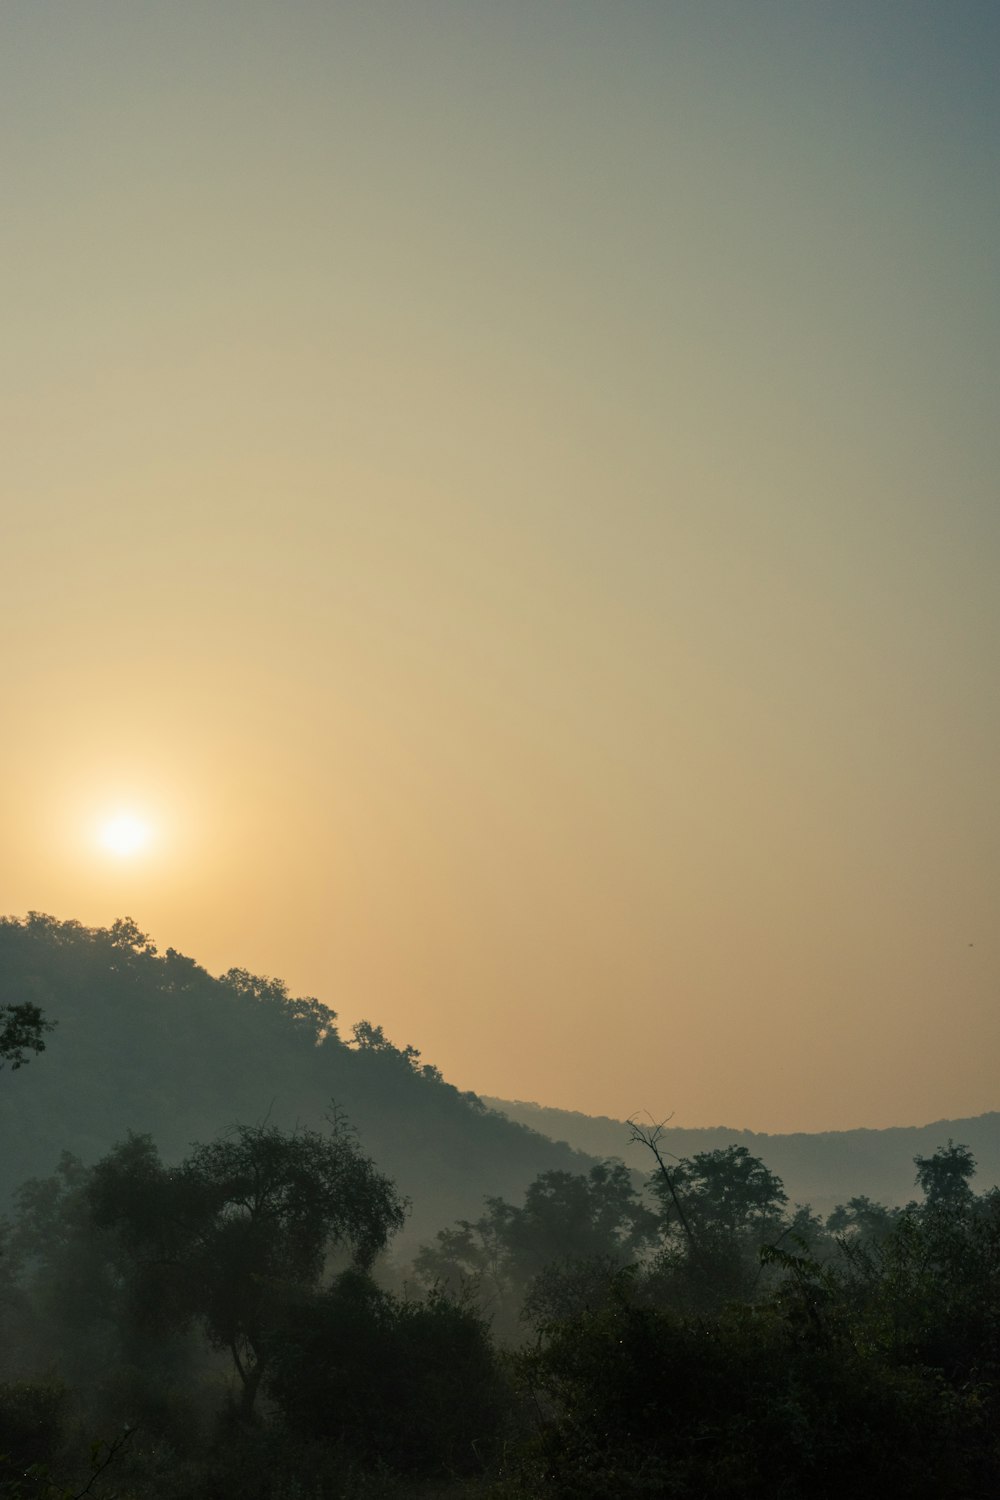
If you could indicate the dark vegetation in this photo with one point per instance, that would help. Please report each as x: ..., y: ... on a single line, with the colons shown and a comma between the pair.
x: 22, y: 1030
x: 152, y: 1043
x: 223, y: 1320
x: 824, y: 1167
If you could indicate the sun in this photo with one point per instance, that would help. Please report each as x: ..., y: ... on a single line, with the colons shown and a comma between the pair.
x: 125, y: 835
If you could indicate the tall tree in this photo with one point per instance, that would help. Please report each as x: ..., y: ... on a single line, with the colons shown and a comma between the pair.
x: 945, y: 1177
x: 729, y: 1191
x: 241, y: 1226
x: 717, y: 1208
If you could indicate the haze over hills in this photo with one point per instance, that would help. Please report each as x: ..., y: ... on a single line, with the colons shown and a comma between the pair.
x: 154, y: 1044
x: 822, y: 1168
x: 160, y: 1299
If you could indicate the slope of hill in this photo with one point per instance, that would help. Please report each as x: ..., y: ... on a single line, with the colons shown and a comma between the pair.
x: 154, y: 1044
x: 823, y: 1169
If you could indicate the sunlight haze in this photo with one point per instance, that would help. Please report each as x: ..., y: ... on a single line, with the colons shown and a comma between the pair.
x: 500, y: 529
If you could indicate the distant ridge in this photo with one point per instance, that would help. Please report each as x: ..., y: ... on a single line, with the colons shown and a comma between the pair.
x: 153, y: 1043
x: 822, y: 1168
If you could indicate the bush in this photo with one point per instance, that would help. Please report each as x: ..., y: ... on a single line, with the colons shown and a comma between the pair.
x: 414, y: 1386
x: 32, y: 1424
x: 641, y: 1402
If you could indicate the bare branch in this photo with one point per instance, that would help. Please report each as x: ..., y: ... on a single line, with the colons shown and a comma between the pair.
x: 113, y: 1449
x: 650, y: 1136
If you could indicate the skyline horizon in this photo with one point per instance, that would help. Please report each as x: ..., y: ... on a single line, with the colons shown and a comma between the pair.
x: 499, y: 525
x: 344, y: 1024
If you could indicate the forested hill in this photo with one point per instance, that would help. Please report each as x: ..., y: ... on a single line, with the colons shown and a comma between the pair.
x: 822, y: 1168
x: 154, y: 1044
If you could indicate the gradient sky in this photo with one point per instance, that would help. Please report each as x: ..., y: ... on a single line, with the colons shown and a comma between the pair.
x: 509, y: 492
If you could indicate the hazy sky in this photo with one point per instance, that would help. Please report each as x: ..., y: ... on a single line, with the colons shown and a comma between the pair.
x: 508, y: 492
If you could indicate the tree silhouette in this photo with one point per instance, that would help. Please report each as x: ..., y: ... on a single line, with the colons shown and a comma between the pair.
x: 22, y: 1029
x: 241, y: 1226
x: 944, y: 1177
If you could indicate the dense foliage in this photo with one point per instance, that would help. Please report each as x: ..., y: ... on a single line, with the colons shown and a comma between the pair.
x: 865, y: 1360
x: 22, y: 1030
x: 565, y: 1242
x: 151, y: 1043
x: 224, y: 1325
x: 243, y: 1223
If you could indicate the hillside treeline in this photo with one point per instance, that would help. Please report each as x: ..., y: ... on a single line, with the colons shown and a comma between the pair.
x: 150, y: 1042
x: 236, y: 1318
x: 823, y: 1167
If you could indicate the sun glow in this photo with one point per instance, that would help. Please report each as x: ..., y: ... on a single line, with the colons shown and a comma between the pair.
x: 125, y: 835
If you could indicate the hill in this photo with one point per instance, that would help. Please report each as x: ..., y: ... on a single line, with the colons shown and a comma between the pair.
x: 823, y: 1168
x: 155, y: 1044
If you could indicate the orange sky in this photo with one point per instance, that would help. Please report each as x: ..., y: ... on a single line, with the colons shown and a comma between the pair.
x: 509, y: 495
